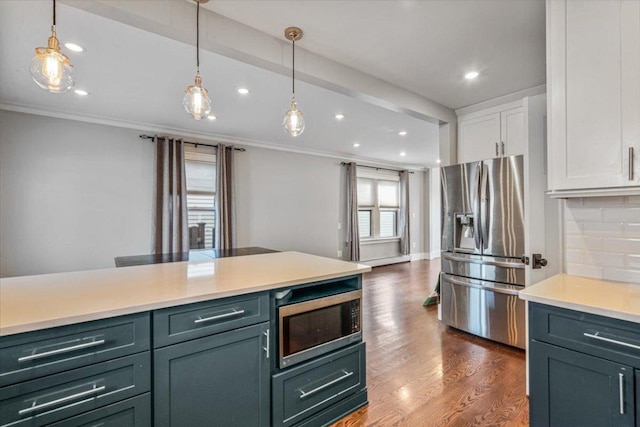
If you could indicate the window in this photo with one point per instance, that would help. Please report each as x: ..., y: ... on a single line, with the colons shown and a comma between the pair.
x: 378, y: 205
x: 200, y: 169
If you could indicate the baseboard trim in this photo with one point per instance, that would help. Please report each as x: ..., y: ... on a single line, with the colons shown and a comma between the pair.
x: 419, y: 256
x: 386, y: 261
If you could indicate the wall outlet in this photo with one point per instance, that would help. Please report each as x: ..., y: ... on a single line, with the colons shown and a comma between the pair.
x: 413, y: 245
x: 339, y: 226
x: 339, y: 254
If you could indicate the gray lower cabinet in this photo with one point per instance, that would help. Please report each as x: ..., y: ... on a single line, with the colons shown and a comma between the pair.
x: 135, y: 412
x: 571, y: 389
x: 221, y: 379
x: 583, y: 369
x: 320, y: 386
x: 637, y: 397
x: 46, y: 400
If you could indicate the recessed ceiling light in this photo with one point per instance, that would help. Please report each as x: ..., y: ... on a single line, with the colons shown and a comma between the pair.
x: 438, y: 161
x: 243, y: 91
x: 402, y: 153
x: 211, y: 117
x: 471, y: 75
x: 340, y: 116
x: 357, y: 144
x: 74, y: 47
x: 81, y: 92
x: 402, y: 133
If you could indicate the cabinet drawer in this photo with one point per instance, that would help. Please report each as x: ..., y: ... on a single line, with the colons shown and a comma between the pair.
x: 56, y: 397
x: 36, y: 354
x: 611, y: 339
x: 178, y: 324
x: 134, y: 412
x: 309, y: 388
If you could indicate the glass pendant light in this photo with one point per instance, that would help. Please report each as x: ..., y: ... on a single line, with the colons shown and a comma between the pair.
x: 196, y: 101
x: 50, y: 68
x: 293, y: 122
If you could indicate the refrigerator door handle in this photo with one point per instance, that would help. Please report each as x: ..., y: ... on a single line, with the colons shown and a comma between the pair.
x: 505, y: 264
x: 483, y: 204
x: 476, y: 211
x: 486, y: 286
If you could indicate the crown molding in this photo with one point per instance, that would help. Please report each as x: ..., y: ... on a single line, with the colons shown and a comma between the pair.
x: 201, y: 136
x: 505, y: 99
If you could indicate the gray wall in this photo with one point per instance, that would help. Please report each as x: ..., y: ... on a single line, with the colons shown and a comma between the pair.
x: 74, y: 195
x: 289, y: 201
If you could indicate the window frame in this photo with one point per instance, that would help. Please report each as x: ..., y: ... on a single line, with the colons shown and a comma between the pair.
x: 192, y: 154
x: 375, y: 209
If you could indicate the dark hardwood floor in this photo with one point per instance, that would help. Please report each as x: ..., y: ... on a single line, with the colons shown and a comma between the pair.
x: 421, y: 373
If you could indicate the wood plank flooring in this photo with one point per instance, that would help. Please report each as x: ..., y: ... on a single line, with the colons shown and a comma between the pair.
x: 421, y: 373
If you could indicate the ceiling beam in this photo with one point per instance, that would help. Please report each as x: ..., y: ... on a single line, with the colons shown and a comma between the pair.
x: 221, y: 35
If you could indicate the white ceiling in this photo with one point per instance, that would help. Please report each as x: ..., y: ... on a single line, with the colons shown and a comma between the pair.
x: 423, y: 46
x: 139, y: 77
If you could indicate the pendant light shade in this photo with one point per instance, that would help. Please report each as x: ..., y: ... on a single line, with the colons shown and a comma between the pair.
x: 50, y: 68
x: 293, y: 122
x: 196, y: 100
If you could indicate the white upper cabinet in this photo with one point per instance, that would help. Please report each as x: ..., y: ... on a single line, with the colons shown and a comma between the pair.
x: 593, y: 84
x: 494, y: 132
x: 512, y: 132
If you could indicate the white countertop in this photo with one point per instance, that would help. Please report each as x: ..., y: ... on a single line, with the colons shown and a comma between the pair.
x: 611, y: 299
x: 30, y: 303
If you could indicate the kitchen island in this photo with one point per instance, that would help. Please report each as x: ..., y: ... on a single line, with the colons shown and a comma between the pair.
x: 171, y: 344
x: 584, y: 352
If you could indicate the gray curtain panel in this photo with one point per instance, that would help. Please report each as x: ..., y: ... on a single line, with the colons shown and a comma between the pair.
x: 225, y: 199
x: 170, y: 225
x: 405, y: 240
x: 353, y: 235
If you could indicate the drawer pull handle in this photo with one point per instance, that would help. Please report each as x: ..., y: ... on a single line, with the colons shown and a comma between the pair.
x: 266, y: 348
x: 622, y: 343
x: 61, y: 351
x: 621, y: 388
x: 94, y: 390
x: 346, y: 375
x: 220, y: 316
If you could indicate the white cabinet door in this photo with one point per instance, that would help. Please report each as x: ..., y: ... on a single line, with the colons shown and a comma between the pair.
x: 512, y: 132
x: 479, y: 138
x: 593, y: 57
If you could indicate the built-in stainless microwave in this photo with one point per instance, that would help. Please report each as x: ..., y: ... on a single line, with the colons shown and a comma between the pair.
x: 311, y: 328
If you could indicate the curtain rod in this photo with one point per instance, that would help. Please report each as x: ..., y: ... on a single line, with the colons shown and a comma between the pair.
x: 188, y: 142
x: 374, y: 167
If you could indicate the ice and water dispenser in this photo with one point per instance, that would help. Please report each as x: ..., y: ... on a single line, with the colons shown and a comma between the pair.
x: 464, y: 232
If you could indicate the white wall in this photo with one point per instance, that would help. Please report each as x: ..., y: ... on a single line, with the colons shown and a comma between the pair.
x: 74, y: 195
x: 602, y: 238
x: 434, y: 212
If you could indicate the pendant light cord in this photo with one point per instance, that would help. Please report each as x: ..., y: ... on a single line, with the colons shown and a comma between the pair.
x: 54, y: 13
x: 293, y: 68
x: 197, y: 36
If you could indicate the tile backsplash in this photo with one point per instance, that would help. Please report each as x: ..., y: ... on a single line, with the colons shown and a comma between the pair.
x: 602, y: 238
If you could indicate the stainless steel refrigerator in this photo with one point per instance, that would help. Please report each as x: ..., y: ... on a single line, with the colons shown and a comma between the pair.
x: 483, y: 248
